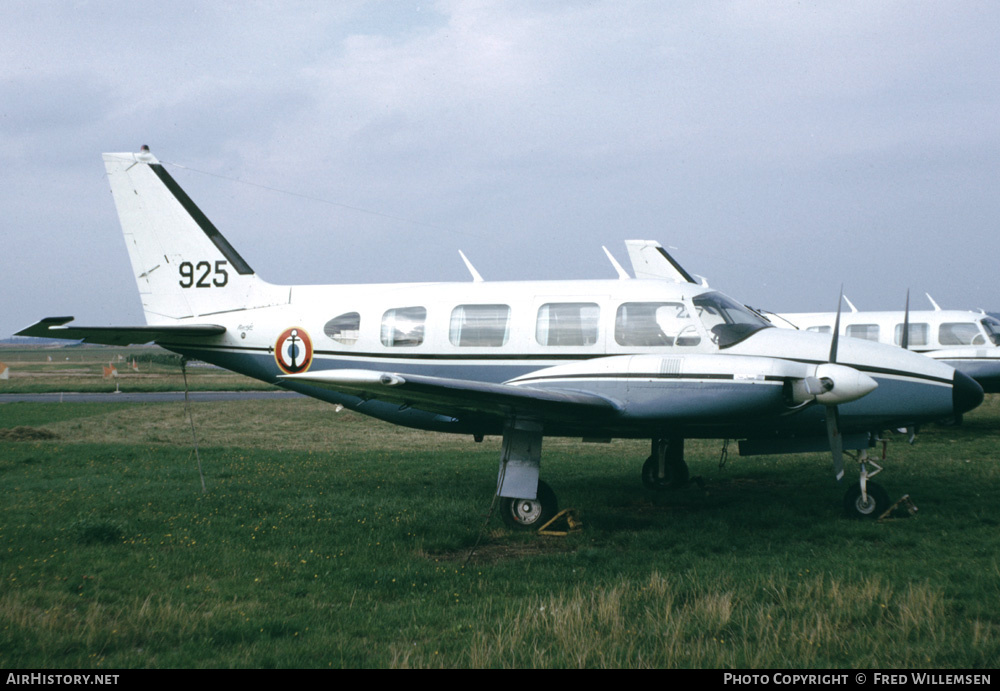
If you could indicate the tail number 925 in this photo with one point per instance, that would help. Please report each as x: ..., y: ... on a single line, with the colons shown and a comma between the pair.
x: 202, y: 274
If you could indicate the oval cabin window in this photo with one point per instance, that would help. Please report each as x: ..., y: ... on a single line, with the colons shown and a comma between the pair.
x: 344, y: 328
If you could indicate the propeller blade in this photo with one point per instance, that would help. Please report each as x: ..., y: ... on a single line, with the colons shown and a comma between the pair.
x: 836, y: 329
x: 836, y: 441
x: 905, y: 340
x: 832, y: 416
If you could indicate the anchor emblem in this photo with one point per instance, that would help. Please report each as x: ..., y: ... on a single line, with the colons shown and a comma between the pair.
x: 293, y: 350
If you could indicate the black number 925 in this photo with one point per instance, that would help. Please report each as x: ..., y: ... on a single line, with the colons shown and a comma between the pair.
x: 198, y: 275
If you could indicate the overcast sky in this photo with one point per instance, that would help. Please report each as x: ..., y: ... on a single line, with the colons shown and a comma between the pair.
x: 782, y: 148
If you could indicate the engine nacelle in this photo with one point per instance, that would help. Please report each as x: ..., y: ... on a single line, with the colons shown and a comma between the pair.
x: 833, y: 384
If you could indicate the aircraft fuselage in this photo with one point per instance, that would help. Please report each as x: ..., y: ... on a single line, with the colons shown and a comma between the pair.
x: 577, y: 334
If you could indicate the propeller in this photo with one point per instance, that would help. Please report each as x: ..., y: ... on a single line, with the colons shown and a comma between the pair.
x: 904, y: 342
x: 830, y: 385
x: 832, y: 415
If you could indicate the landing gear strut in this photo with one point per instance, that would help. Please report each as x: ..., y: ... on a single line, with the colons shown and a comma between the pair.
x: 520, y: 458
x: 866, y: 499
x: 665, y: 468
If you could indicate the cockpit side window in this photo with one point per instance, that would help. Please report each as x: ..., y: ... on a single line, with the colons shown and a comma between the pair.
x: 992, y: 327
x: 728, y: 321
x: 960, y: 334
x: 655, y: 324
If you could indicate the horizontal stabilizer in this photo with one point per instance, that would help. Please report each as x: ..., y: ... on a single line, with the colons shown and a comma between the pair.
x: 53, y: 327
x: 449, y: 396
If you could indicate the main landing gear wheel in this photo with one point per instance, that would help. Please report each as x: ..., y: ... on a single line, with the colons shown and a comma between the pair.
x: 530, y: 514
x: 856, y: 507
x: 675, y: 475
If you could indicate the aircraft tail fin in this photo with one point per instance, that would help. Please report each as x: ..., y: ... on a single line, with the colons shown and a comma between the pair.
x: 650, y: 260
x: 184, y: 267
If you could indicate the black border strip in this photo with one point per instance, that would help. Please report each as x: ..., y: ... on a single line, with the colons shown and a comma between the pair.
x: 201, y: 219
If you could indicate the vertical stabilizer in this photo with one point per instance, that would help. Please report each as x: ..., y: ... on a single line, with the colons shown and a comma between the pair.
x: 650, y: 260
x: 183, y: 265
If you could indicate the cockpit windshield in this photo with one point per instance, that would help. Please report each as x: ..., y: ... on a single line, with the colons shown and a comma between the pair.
x: 992, y: 327
x: 728, y: 321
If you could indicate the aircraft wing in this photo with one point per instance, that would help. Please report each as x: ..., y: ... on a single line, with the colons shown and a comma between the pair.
x: 448, y: 396
x: 54, y: 327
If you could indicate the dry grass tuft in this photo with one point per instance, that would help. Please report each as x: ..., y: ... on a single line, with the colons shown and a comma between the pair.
x: 24, y: 433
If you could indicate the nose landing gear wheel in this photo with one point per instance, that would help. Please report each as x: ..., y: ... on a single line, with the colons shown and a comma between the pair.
x: 875, y: 506
x: 529, y: 514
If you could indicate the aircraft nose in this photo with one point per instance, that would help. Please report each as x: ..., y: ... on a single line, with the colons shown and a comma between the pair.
x: 966, y: 394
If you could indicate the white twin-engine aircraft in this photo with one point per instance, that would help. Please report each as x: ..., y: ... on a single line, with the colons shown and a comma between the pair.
x: 643, y: 358
x: 968, y: 341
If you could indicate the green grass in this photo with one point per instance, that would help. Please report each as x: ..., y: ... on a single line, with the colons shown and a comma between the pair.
x: 331, y: 540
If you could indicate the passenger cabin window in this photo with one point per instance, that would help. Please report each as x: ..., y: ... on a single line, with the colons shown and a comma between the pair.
x: 567, y: 324
x: 655, y: 324
x: 344, y: 328
x: 960, y: 334
x: 403, y: 327
x: 820, y: 329
x: 479, y: 325
x: 869, y: 332
x: 918, y: 334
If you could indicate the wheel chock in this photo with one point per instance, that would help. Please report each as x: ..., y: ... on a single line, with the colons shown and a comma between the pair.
x: 903, y: 501
x: 562, y: 524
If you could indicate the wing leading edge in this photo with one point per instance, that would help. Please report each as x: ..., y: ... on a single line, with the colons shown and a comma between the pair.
x: 54, y: 327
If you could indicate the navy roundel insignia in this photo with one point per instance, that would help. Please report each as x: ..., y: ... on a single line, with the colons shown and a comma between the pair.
x: 293, y: 350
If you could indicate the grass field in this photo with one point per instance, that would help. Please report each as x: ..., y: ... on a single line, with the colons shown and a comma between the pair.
x: 330, y: 540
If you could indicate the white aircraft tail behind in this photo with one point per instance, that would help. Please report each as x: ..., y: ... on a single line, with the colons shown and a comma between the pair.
x: 183, y: 266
